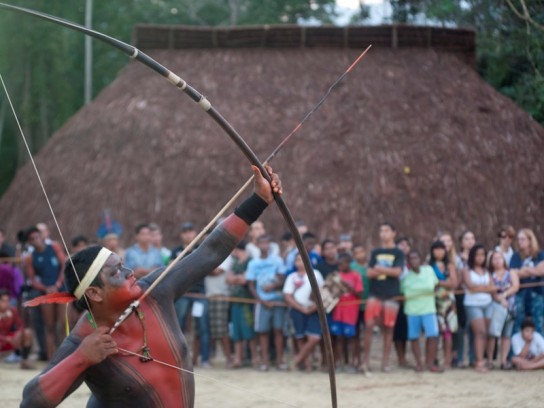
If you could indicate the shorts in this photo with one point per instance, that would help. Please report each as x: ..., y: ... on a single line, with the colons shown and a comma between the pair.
x: 416, y: 323
x: 218, y: 313
x: 478, y: 312
x: 385, y: 310
x: 305, y: 324
x: 242, y: 322
x: 268, y: 319
x: 342, y: 329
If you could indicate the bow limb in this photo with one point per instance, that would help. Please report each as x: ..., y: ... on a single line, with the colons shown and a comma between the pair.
x: 250, y: 155
x: 134, y: 53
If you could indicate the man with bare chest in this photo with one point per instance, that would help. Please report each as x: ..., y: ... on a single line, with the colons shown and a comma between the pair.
x: 145, y: 362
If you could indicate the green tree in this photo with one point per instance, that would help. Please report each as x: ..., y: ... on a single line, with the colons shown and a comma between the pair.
x: 510, y: 41
x: 42, y: 64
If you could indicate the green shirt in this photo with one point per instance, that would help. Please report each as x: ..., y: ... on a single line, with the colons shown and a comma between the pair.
x: 362, y: 269
x: 239, y: 268
x: 419, y: 291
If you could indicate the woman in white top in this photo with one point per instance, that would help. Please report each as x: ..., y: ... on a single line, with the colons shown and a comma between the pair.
x: 477, y: 302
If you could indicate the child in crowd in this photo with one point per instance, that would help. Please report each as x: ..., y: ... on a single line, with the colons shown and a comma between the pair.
x: 265, y: 275
x: 298, y: 295
x: 528, y: 347
x: 444, y: 269
x: 478, y: 308
x: 418, y: 287
x: 13, y: 336
x: 359, y: 264
x: 384, y: 269
x: 241, y: 314
x: 346, y: 313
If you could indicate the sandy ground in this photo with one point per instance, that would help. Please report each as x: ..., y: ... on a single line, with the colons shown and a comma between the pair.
x: 401, y: 388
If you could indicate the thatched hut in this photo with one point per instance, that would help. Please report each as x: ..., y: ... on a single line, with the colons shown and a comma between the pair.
x: 412, y: 135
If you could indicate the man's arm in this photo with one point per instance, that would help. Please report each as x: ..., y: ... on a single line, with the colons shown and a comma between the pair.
x: 392, y: 272
x: 395, y: 270
x: 66, y: 371
x: 221, y: 241
x: 371, y: 272
x: 539, y: 269
x: 525, y: 350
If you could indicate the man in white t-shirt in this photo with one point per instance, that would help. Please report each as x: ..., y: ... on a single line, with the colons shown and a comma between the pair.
x: 255, y: 231
x: 298, y: 295
x: 216, y: 290
x: 528, y: 347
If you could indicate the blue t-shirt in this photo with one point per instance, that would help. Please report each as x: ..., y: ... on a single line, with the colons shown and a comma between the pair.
x: 292, y: 256
x: 46, y: 265
x: 263, y: 272
x: 517, y: 263
x: 136, y: 257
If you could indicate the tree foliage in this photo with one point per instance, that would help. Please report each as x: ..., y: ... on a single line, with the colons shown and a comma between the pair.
x: 43, y: 64
x: 510, y: 35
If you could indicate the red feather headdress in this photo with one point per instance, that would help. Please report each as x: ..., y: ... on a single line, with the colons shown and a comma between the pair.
x: 59, y: 298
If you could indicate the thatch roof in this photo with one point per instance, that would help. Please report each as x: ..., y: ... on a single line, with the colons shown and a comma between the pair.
x: 145, y: 151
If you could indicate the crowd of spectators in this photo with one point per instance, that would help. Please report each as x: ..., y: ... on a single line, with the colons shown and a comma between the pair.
x: 470, y: 305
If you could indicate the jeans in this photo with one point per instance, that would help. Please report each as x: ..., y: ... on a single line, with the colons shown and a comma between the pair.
x: 529, y: 303
x: 184, y: 307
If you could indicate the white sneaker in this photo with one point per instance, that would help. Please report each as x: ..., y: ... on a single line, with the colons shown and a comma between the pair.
x: 13, y: 359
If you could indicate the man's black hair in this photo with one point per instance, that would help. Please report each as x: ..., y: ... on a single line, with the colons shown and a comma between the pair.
x: 309, y: 235
x: 140, y: 227
x: 30, y: 231
x: 327, y: 241
x: 287, y: 236
x: 4, y: 292
x: 79, y: 239
x: 344, y: 256
x: 435, y: 245
x: 402, y: 239
x: 472, y: 255
x: 388, y: 224
x: 82, y: 262
x: 21, y: 236
x: 241, y: 245
x: 528, y: 322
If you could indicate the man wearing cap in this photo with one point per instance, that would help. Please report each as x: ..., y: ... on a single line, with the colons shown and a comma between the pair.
x: 127, y: 368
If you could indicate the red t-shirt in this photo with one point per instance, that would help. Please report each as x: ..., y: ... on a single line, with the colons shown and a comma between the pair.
x: 10, y: 324
x: 348, y: 313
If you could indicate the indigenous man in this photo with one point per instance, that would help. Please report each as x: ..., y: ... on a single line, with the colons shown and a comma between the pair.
x: 107, y: 363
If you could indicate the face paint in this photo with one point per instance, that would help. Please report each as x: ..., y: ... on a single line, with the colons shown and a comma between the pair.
x: 120, y: 283
x: 118, y: 275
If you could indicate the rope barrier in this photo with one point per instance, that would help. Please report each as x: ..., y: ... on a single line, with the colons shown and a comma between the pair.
x: 231, y: 299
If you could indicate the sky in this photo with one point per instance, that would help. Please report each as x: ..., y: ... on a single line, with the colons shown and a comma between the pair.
x: 346, y: 8
x: 353, y: 4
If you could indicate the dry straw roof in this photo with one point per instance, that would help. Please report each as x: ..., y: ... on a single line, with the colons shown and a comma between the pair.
x: 413, y: 135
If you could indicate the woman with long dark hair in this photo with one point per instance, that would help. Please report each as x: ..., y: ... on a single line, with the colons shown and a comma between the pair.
x: 444, y: 269
x: 479, y: 287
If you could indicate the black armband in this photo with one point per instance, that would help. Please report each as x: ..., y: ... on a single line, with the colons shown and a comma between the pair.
x: 251, y: 208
